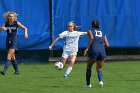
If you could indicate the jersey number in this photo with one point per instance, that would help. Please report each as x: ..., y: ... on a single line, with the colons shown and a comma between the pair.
x: 98, y: 33
x: 10, y: 30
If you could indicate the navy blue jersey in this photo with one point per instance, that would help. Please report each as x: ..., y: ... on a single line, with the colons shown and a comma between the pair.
x: 12, y: 38
x: 98, y: 41
x: 11, y: 30
x: 97, y: 49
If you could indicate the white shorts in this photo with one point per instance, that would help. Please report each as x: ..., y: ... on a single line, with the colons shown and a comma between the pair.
x: 66, y: 54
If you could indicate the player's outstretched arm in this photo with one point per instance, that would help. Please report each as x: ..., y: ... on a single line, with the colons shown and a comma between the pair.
x: 89, y: 42
x: 82, y: 33
x: 24, y: 28
x: 85, y: 33
x: 50, y: 47
x: 3, y: 28
x: 106, y: 41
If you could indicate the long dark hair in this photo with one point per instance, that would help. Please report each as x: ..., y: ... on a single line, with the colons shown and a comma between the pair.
x: 95, y: 24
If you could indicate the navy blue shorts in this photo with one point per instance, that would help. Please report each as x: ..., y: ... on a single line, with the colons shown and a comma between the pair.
x: 12, y: 44
x: 100, y: 55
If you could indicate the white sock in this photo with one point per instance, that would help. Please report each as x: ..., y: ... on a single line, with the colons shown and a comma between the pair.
x: 69, y: 69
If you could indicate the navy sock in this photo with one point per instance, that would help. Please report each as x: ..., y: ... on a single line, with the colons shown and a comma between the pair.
x: 7, y: 64
x: 14, y: 63
x: 88, y: 75
x: 100, y: 75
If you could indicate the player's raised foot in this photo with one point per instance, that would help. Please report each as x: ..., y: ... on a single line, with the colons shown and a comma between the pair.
x: 2, y: 73
x: 101, y: 83
x: 16, y: 73
x: 65, y: 76
x: 88, y: 86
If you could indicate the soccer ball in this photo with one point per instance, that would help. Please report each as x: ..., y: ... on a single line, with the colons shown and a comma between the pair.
x: 58, y: 65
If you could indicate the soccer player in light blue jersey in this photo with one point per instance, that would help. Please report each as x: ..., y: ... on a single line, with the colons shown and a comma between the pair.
x: 96, y: 52
x: 11, y: 27
x: 70, y: 48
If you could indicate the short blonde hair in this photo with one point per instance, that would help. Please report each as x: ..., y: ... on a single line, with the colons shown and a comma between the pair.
x: 6, y: 14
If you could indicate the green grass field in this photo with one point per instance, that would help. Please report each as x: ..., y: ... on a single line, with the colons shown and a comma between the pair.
x: 119, y: 77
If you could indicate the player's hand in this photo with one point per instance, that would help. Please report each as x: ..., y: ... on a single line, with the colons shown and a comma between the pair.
x: 85, y: 52
x: 26, y: 36
x: 50, y: 47
x: 3, y: 28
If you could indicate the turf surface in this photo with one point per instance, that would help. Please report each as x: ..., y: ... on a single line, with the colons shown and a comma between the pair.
x: 119, y: 77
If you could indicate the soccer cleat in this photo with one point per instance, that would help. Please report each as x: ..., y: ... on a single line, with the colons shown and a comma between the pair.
x: 65, y: 76
x: 101, y: 83
x: 16, y: 73
x: 2, y: 73
x: 88, y: 86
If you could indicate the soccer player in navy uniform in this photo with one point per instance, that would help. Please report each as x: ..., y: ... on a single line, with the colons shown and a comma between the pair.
x: 11, y: 27
x: 96, y: 52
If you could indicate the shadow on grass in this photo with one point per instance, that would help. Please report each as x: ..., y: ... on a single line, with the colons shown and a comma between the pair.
x: 58, y: 86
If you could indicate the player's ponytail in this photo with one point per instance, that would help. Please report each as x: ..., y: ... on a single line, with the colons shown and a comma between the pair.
x: 75, y: 27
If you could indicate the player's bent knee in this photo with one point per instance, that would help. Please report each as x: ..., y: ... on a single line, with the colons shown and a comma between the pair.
x: 10, y: 56
x: 99, y: 68
x: 89, y: 66
x: 13, y: 56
